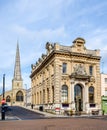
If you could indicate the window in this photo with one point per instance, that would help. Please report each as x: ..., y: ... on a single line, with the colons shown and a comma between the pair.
x: 47, y: 95
x: 105, y: 80
x: 8, y: 99
x: 43, y: 96
x: 91, y: 70
x: 52, y: 94
x: 105, y: 92
x: 64, y: 94
x: 91, y: 94
x: 19, y: 96
x: 64, y: 68
x: 17, y: 84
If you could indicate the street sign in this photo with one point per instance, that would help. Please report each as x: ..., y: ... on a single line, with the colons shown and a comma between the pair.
x: 3, y: 101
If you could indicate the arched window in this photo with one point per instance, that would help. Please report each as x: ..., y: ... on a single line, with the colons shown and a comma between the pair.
x: 8, y: 99
x: 19, y: 96
x: 47, y: 95
x: 91, y: 94
x: 64, y: 94
x: 43, y: 96
x: 37, y: 97
x: 52, y: 94
x: 40, y: 97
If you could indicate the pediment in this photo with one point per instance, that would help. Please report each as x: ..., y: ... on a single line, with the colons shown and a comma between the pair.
x: 78, y: 45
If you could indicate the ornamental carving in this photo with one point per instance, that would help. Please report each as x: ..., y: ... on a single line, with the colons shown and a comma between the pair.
x: 37, y: 63
x: 49, y: 46
x: 79, y: 69
x: 92, y: 79
x: 40, y: 60
x: 32, y: 66
x: 43, y: 56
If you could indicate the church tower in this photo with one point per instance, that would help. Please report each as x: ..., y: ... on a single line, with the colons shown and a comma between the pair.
x: 17, y: 82
x: 18, y: 93
x: 16, y: 96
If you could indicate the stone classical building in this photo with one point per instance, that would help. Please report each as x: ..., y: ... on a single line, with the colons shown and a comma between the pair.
x: 28, y: 97
x: 17, y: 94
x: 103, y: 84
x: 67, y: 77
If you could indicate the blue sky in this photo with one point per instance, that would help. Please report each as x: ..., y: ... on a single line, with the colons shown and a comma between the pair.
x: 34, y: 22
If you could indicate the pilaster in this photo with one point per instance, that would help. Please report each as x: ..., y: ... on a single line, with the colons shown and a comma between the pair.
x: 57, y: 81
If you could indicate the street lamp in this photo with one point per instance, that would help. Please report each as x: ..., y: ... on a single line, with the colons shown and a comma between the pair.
x: 3, y: 86
x: 26, y: 94
x: 3, y: 100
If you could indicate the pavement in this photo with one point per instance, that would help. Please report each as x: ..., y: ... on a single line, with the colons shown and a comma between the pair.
x: 55, y: 124
x: 50, y: 115
x: 46, y: 114
x: 8, y: 118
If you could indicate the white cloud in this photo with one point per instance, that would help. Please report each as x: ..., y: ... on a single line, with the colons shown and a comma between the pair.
x: 35, y: 22
x: 97, y: 39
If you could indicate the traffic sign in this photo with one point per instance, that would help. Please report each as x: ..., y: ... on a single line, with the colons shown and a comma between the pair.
x: 3, y: 101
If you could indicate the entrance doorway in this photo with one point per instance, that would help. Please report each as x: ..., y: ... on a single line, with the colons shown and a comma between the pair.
x: 78, y: 97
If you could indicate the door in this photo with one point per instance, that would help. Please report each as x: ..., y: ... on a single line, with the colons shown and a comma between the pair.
x: 78, y: 97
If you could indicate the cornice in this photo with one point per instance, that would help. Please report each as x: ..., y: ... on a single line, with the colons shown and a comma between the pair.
x: 60, y: 53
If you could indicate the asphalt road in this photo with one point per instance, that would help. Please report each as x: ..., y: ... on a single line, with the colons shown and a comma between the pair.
x: 19, y: 113
x: 23, y: 114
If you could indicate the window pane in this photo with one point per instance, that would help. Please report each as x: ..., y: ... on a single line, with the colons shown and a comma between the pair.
x: 106, y: 80
x: 91, y: 70
x: 64, y: 94
x: 64, y: 68
x: 105, y: 92
x: 91, y: 94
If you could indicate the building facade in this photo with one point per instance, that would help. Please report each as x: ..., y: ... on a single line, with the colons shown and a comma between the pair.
x: 103, y: 84
x: 104, y: 92
x: 28, y: 97
x: 67, y: 77
x: 17, y: 94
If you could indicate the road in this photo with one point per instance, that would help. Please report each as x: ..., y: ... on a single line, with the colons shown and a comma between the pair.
x: 23, y: 114
x: 20, y: 113
x: 28, y: 120
x: 55, y: 124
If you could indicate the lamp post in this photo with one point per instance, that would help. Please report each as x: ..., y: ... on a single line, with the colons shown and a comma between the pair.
x: 3, y: 86
x: 60, y: 94
x: 26, y: 94
x: 3, y: 100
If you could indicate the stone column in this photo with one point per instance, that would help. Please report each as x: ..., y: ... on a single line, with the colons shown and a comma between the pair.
x: 69, y: 94
x: 86, y: 101
x: 49, y: 83
x: 98, y: 86
x: 45, y: 95
x: 57, y: 82
x: 72, y: 94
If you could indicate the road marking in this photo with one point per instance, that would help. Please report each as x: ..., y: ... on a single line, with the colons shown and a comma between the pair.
x: 18, y: 118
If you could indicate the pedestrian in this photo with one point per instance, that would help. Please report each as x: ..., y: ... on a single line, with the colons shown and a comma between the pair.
x: 32, y: 106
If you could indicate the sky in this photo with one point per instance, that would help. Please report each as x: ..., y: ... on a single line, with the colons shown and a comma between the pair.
x: 34, y: 22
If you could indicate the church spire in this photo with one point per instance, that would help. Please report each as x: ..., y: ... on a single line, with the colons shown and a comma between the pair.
x: 17, y: 69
